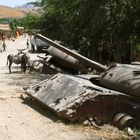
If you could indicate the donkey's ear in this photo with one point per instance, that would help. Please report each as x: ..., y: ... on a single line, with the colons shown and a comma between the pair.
x: 20, y: 50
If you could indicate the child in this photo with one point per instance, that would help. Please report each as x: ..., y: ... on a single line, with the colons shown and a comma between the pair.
x: 4, y: 46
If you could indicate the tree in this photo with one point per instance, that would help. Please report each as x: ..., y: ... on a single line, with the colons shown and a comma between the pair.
x: 31, y: 23
x: 105, y: 28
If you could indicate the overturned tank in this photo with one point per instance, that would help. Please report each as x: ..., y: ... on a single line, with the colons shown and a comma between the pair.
x: 112, y: 97
x: 77, y: 99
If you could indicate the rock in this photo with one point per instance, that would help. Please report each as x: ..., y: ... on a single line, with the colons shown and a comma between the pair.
x: 90, y: 119
x: 95, y: 125
x: 23, y: 96
x: 86, y: 123
x: 129, y: 131
x: 2, y: 98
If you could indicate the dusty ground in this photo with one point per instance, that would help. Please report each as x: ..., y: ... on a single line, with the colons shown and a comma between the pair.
x: 22, y: 119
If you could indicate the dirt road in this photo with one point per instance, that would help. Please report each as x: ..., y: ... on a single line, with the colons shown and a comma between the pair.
x: 22, y: 119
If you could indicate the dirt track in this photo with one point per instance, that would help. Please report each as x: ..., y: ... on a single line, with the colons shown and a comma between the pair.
x: 22, y: 119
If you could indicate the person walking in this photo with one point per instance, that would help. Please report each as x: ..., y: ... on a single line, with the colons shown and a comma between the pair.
x: 4, y: 46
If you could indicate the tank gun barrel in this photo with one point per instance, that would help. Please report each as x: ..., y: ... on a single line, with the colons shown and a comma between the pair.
x: 92, y: 64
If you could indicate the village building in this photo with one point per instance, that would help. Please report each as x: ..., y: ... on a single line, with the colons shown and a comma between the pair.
x: 7, y: 33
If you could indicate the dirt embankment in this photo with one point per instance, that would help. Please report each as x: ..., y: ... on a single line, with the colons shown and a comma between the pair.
x: 22, y: 119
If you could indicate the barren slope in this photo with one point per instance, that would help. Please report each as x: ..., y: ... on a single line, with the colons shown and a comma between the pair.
x: 7, y: 12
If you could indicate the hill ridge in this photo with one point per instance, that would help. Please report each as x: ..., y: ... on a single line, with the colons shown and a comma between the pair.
x: 10, y: 12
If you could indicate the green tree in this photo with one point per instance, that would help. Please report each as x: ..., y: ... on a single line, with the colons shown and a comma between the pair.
x: 31, y: 23
x: 101, y: 30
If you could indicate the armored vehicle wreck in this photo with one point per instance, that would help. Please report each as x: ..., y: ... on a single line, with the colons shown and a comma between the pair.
x: 111, y: 97
x: 120, y: 77
x: 77, y: 99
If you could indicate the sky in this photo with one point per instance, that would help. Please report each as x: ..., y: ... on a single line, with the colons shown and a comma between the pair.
x: 13, y: 3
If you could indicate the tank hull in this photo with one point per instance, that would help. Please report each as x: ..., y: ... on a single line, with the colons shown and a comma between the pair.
x: 123, y: 78
x: 77, y: 99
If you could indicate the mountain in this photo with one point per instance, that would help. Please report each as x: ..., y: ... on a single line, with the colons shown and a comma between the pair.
x: 25, y: 6
x: 8, y: 12
x: 19, y: 11
x: 30, y: 8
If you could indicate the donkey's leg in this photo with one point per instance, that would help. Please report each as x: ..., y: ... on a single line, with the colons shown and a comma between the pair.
x: 23, y: 67
x: 10, y: 64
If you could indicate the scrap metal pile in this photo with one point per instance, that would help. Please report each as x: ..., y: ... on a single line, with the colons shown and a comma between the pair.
x: 111, y: 97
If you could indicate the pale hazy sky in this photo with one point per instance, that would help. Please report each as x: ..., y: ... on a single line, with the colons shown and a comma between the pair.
x: 13, y: 3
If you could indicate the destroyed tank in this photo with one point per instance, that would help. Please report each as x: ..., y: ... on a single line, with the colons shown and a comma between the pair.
x: 110, y: 97
x: 121, y: 77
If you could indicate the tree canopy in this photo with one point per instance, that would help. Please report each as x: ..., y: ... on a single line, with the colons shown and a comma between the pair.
x: 106, y: 28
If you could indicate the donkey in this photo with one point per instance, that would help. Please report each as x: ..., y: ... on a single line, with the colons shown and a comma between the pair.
x: 20, y: 58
